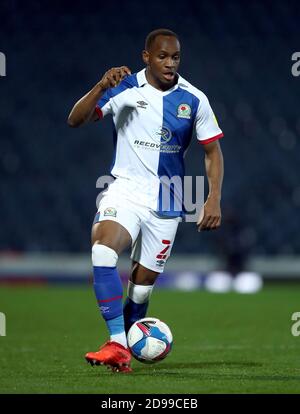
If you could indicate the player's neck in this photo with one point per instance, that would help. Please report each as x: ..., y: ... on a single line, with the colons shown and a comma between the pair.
x: 156, y: 84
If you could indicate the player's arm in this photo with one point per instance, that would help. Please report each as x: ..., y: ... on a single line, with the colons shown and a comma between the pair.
x: 84, y: 110
x: 210, y: 217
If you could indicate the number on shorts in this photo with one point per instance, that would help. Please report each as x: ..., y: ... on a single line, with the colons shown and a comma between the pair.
x: 162, y: 254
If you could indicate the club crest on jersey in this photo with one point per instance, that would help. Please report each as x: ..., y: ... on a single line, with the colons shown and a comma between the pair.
x: 110, y: 211
x: 184, y: 111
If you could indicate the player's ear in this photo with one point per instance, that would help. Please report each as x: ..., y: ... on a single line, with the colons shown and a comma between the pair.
x: 145, y: 56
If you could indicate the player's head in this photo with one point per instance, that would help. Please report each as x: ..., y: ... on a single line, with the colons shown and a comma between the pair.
x: 162, y: 57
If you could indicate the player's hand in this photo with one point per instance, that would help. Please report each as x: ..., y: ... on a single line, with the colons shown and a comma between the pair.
x: 210, y: 216
x: 113, y: 77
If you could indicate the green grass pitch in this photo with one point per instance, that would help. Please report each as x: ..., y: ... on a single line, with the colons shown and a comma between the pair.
x: 223, y: 343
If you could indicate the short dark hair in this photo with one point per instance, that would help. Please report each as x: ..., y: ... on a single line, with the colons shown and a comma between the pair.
x: 158, y: 32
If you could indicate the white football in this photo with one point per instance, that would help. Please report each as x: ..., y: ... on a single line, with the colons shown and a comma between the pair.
x: 150, y: 340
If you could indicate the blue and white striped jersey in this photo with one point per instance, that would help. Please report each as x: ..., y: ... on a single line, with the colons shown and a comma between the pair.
x: 152, y: 131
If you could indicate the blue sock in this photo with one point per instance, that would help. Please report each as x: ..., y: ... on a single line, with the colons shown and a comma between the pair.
x: 116, y: 325
x: 133, y: 312
x: 109, y: 293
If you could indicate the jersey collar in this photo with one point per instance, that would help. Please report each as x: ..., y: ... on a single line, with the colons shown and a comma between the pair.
x: 142, y: 80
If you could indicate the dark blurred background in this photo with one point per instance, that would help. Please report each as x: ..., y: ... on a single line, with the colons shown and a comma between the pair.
x: 237, y: 52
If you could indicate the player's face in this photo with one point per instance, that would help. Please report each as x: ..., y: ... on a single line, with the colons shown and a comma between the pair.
x: 162, y: 61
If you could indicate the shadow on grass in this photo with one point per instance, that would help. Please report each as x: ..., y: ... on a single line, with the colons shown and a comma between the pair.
x: 204, y: 364
x: 193, y: 371
x: 184, y: 370
x: 178, y: 368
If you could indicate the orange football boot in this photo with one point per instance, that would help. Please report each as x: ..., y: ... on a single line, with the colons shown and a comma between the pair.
x: 112, y: 354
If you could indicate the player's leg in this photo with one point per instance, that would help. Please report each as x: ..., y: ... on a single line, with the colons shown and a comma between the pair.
x: 109, y: 239
x: 113, y: 231
x: 112, y: 234
x: 139, y: 290
x: 151, y: 251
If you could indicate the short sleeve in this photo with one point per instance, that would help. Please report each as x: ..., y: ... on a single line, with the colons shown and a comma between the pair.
x: 104, y: 105
x: 206, y: 124
x: 109, y: 103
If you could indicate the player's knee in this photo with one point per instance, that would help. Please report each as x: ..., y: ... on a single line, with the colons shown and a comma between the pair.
x: 103, y: 256
x: 143, y: 276
x: 139, y: 293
